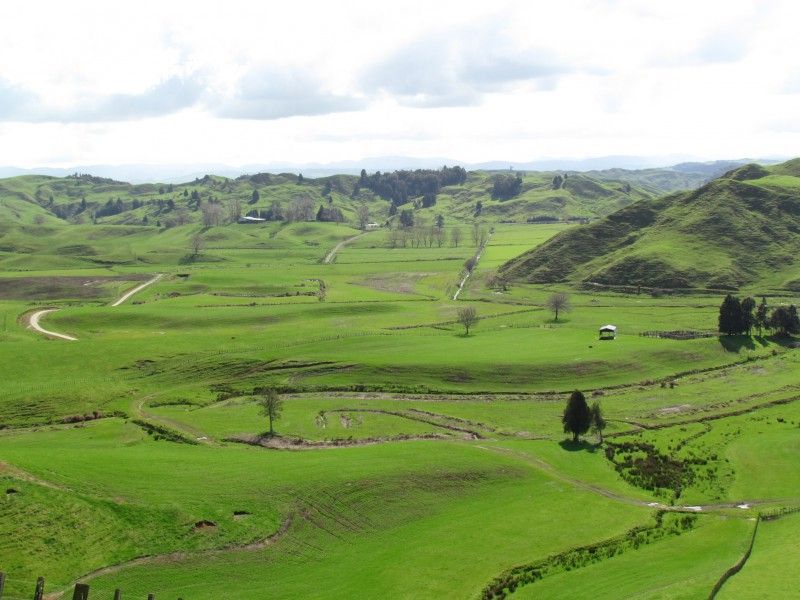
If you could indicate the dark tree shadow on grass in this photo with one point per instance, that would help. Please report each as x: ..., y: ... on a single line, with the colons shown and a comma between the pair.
x: 579, y: 446
x: 735, y: 343
x: 786, y: 341
x: 561, y: 321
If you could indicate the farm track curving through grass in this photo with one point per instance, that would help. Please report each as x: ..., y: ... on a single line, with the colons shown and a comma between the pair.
x: 34, y: 318
x: 33, y: 323
x: 332, y: 254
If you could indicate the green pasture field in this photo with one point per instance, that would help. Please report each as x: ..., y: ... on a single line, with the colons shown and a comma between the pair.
x: 683, y: 567
x: 770, y: 572
x: 415, y: 461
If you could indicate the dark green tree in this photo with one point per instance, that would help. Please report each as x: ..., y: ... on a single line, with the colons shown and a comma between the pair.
x: 598, y: 421
x: 439, y: 221
x: 730, y: 316
x: 255, y: 197
x: 762, y: 316
x: 784, y: 320
x: 271, y: 406
x: 407, y: 217
x: 577, y: 415
x: 300, y: 178
x: 748, y: 318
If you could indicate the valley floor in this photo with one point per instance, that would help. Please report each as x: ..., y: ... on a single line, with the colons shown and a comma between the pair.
x: 411, y: 460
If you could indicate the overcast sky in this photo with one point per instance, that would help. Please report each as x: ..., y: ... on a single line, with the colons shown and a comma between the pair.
x: 239, y: 83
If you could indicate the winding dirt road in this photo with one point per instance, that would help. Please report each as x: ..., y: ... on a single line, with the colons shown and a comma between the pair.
x: 33, y: 319
x: 33, y: 323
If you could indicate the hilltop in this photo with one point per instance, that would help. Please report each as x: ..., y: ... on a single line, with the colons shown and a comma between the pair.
x: 740, y: 229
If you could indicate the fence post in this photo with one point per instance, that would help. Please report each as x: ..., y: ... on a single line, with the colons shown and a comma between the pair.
x: 151, y: 597
x: 37, y: 595
x: 2, y: 583
x: 117, y: 594
x: 81, y: 592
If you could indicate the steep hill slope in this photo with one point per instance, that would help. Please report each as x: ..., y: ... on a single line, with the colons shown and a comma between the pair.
x: 740, y: 229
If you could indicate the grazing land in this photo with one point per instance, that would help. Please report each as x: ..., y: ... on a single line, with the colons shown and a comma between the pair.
x: 410, y: 459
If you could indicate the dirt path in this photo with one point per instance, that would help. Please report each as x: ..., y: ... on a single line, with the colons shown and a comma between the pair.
x: 137, y: 289
x: 475, y: 266
x: 34, y: 318
x: 33, y: 323
x: 330, y: 255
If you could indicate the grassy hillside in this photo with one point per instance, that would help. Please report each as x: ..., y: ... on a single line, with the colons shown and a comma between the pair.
x: 742, y: 229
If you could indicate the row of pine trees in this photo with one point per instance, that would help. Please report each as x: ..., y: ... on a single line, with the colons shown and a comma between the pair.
x: 740, y: 317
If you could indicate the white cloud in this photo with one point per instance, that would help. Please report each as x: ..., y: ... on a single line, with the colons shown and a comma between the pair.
x: 98, y: 82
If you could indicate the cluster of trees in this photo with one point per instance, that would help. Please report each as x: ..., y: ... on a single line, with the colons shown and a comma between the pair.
x: 301, y: 208
x: 579, y: 417
x: 111, y: 207
x: 421, y: 236
x: 559, y: 181
x: 400, y: 186
x: 413, y: 231
x: 505, y: 187
x: 740, y: 317
x: 329, y: 214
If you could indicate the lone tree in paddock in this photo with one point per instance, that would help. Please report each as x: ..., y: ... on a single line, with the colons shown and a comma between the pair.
x: 559, y: 303
x: 271, y: 406
x: 468, y: 316
x: 196, y: 244
x: 598, y: 420
x: 577, y: 415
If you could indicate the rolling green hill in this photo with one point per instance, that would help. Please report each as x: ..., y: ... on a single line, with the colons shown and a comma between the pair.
x: 82, y: 221
x: 741, y: 229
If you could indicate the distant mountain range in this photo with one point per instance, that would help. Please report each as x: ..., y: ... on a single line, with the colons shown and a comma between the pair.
x: 141, y: 173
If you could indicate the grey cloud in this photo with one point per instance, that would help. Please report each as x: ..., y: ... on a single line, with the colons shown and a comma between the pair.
x: 273, y: 93
x: 171, y: 95
x: 457, y: 69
